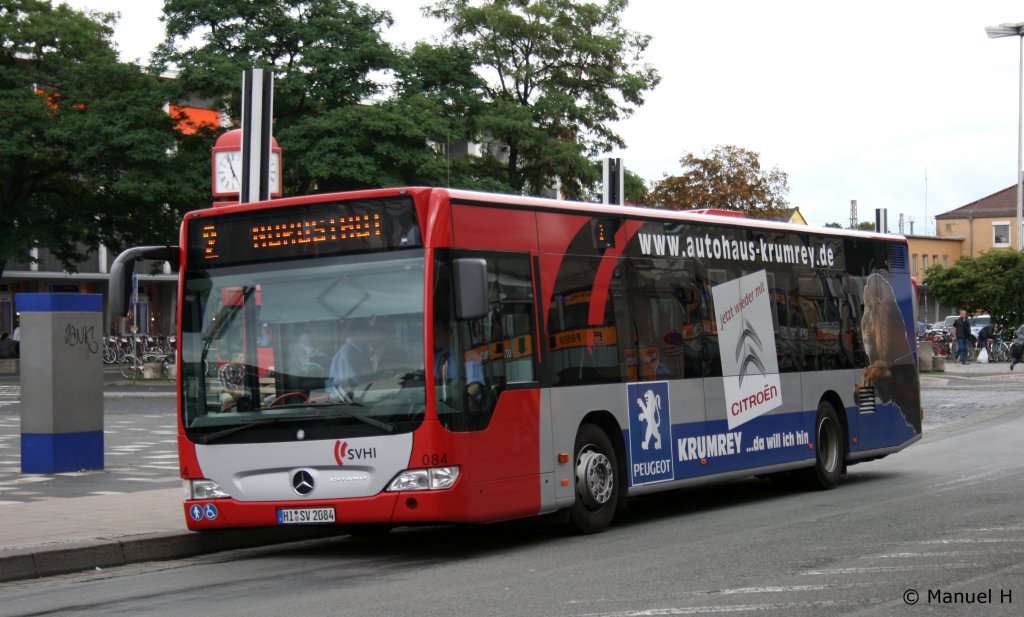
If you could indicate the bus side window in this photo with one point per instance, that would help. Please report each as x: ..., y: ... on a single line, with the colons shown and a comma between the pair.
x: 492, y: 351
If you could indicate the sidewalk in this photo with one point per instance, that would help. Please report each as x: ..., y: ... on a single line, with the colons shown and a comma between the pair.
x: 128, y: 512
x: 977, y: 368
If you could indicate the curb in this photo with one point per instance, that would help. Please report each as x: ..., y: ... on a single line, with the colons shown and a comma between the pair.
x: 14, y: 398
x: 171, y: 394
x: 37, y: 562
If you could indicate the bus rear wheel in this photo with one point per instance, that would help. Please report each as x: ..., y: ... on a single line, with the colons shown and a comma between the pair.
x: 829, y: 450
x: 597, y: 481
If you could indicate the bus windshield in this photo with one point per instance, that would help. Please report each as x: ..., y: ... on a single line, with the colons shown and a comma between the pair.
x: 331, y: 346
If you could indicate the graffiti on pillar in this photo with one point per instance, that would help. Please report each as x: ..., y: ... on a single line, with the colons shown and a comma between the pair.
x: 79, y: 336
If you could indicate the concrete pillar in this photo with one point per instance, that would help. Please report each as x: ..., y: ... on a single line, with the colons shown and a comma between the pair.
x: 61, y: 382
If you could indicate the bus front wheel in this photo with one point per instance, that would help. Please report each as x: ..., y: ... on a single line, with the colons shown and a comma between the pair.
x: 829, y: 450
x: 597, y: 481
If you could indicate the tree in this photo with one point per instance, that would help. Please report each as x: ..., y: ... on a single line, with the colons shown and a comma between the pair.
x: 636, y: 190
x: 444, y: 75
x: 329, y: 61
x: 555, y: 75
x: 87, y: 154
x: 727, y: 178
x: 992, y: 282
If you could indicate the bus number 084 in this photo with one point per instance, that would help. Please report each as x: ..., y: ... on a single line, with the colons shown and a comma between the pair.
x: 435, y: 459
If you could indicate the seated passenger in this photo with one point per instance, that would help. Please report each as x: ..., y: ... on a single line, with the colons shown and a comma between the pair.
x: 350, y: 365
x: 232, y: 383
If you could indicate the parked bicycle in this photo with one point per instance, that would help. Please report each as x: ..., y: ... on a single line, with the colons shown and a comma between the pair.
x: 942, y: 343
x: 138, y: 351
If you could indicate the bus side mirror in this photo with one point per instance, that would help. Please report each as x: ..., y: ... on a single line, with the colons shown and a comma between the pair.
x: 470, y: 288
x: 124, y: 266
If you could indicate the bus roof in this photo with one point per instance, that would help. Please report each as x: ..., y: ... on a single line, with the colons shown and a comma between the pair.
x: 544, y: 203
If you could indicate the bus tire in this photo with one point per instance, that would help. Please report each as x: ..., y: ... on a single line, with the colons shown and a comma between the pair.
x: 597, y: 481
x: 828, y: 449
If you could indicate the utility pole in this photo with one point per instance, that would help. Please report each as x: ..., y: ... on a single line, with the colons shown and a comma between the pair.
x: 614, y: 182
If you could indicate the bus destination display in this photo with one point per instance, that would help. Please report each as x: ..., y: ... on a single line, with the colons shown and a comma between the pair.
x: 303, y: 231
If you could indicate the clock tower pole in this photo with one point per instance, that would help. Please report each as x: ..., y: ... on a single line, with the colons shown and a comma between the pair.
x: 247, y: 162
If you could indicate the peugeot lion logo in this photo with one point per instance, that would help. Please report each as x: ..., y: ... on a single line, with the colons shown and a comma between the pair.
x: 303, y: 482
x: 742, y: 348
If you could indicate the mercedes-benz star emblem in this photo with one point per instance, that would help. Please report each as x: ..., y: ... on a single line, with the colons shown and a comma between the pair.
x: 303, y: 482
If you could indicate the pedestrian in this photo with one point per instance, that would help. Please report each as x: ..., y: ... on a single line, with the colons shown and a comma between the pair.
x: 962, y: 332
x: 1017, y: 347
x: 8, y: 346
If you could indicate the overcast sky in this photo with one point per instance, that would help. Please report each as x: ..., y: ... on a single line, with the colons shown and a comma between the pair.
x: 899, y: 104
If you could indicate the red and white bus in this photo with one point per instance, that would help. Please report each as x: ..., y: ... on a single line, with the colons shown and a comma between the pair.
x: 413, y: 355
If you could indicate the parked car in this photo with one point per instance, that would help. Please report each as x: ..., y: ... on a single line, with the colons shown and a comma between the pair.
x: 979, y: 322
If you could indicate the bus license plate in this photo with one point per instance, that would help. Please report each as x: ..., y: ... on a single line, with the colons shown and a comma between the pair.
x: 304, y: 516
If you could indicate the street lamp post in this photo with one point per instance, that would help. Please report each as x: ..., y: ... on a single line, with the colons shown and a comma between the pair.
x: 1017, y: 30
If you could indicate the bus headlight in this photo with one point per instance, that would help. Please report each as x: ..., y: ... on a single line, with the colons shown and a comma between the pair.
x: 204, y: 489
x: 432, y: 479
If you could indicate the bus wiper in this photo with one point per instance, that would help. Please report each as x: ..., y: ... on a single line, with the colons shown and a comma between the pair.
x: 339, y: 406
x: 387, y: 427
x: 238, y: 428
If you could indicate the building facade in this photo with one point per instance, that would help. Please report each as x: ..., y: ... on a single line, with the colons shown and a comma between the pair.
x: 157, y: 285
x: 925, y: 252
x: 985, y: 224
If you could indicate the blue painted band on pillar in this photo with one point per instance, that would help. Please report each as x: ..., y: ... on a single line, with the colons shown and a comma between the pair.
x: 58, y: 303
x: 61, y: 452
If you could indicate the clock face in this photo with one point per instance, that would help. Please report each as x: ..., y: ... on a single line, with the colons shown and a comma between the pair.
x: 228, y: 176
x: 229, y: 171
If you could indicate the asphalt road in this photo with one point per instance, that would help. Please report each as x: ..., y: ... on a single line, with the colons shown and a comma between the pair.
x: 940, y: 525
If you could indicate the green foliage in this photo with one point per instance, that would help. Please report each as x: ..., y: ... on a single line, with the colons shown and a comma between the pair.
x: 87, y: 154
x: 327, y: 57
x: 363, y: 146
x: 322, y: 51
x: 727, y: 178
x: 636, y: 191
x: 993, y: 283
x: 559, y: 73
x: 94, y: 158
